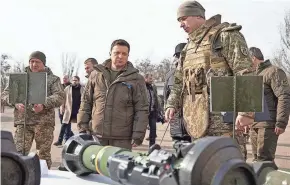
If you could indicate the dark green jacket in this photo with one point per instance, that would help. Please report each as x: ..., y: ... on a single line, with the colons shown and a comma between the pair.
x: 276, y: 93
x: 118, y: 109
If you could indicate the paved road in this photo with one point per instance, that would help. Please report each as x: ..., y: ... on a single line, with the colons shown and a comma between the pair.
x: 282, y: 154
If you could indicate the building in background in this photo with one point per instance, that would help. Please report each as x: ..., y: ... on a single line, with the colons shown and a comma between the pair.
x: 160, y: 86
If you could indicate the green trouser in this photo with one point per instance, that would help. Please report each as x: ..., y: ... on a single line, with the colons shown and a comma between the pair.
x: 264, y: 143
x: 43, y: 136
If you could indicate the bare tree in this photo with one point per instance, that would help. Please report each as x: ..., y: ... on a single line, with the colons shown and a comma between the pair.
x: 145, y: 66
x: 70, y: 64
x: 18, y: 67
x: 158, y: 71
x: 162, y: 69
x: 282, y: 56
x: 5, y: 67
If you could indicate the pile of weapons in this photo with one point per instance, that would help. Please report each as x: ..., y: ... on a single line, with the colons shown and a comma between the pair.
x: 207, y: 161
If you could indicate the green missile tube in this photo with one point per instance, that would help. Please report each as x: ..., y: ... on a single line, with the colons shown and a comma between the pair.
x: 269, y: 174
x: 83, y: 155
x: 276, y: 177
x: 95, y: 157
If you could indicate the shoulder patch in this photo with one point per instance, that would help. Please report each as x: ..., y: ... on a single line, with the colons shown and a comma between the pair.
x: 283, y: 77
x: 285, y: 82
x: 244, y: 50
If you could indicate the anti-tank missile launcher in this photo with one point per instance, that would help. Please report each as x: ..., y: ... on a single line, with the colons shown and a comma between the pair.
x: 207, y: 161
x: 190, y: 165
x: 203, y: 162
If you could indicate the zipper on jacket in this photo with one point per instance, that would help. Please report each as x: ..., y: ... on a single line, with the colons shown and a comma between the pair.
x: 107, y: 92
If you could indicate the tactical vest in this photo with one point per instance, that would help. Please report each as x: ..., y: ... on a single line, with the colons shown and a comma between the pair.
x: 202, y: 59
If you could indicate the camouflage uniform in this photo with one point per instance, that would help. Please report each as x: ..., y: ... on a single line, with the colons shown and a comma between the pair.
x: 277, y: 95
x: 214, y: 49
x: 39, y: 126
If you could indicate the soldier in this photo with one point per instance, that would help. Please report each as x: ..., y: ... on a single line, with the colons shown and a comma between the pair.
x: 177, y: 130
x: 115, y: 99
x: 41, y: 117
x: 264, y: 135
x: 213, y: 49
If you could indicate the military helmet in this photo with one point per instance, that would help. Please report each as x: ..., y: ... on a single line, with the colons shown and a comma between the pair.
x: 178, y: 49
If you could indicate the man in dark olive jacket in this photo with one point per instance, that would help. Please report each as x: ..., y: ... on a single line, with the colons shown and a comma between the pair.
x: 264, y: 135
x: 115, y: 99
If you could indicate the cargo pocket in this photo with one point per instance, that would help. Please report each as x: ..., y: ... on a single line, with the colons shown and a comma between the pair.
x: 200, y: 78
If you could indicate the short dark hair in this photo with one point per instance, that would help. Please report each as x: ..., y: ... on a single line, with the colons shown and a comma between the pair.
x: 256, y: 52
x: 178, y: 48
x: 92, y: 60
x: 77, y: 77
x: 120, y: 42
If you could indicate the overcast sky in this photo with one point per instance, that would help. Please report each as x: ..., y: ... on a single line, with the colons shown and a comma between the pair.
x: 88, y: 27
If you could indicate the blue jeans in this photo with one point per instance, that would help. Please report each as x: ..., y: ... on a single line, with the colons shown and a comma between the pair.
x: 65, y: 132
x: 152, y: 126
x: 60, y: 116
